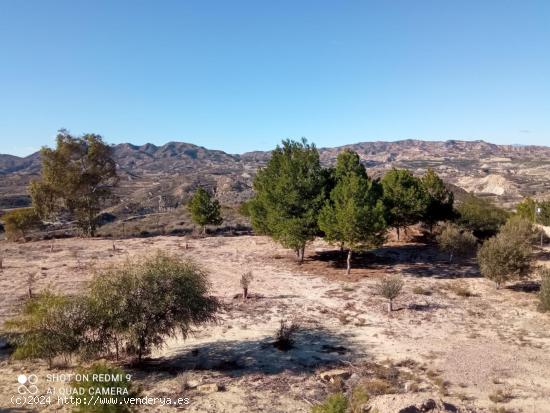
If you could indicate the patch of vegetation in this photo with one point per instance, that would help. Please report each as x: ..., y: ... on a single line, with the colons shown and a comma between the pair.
x: 284, y: 338
x: 19, y: 221
x: 455, y: 241
x: 501, y: 396
x: 390, y: 287
x: 204, y: 210
x: 336, y: 403
x: 480, y: 216
x: 544, y: 293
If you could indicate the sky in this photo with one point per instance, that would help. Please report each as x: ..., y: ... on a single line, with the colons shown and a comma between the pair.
x: 243, y: 75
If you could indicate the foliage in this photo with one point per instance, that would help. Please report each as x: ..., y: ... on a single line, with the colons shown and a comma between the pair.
x: 480, y: 216
x: 284, y: 338
x: 289, y: 192
x: 504, y: 257
x: 78, y: 175
x: 49, y: 325
x: 354, y: 215
x: 143, y: 302
x: 19, y: 221
x: 390, y: 287
x: 544, y: 293
x: 521, y: 229
x: 99, y: 377
x: 335, y: 403
x: 404, y: 198
x: 455, y: 241
x: 204, y: 210
x: 246, y: 279
x: 439, y: 204
x: 527, y: 209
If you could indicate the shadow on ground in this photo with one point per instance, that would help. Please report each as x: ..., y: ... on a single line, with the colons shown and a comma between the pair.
x: 313, y: 349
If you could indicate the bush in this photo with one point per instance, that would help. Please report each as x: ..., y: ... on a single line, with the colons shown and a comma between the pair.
x: 246, y: 279
x: 284, y: 338
x: 19, y: 221
x: 480, y: 216
x: 504, y: 257
x: 119, y: 391
x: 390, y: 288
x: 520, y: 228
x: 336, y: 403
x: 50, y: 325
x: 141, y: 303
x: 544, y: 293
x: 456, y: 242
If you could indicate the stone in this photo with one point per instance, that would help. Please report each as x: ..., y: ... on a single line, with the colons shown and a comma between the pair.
x: 331, y: 375
x: 208, y: 388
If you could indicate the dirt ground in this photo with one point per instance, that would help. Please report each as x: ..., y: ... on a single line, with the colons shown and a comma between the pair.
x: 453, y: 337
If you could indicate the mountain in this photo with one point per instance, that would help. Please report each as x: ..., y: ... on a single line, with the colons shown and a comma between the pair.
x: 165, y: 175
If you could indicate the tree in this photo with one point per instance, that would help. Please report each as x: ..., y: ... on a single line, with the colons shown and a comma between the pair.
x: 19, y: 221
x: 439, y: 206
x: 49, y: 325
x: 404, y: 198
x: 289, y: 193
x: 153, y: 299
x: 76, y: 176
x: 455, y: 241
x: 503, y: 257
x: 521, y: 229
x: 390, y: 287
x: 353, y: 217
x: 544, y: 293
x: 204, y: 210
x: 480, y: 216
x: 527, y: 209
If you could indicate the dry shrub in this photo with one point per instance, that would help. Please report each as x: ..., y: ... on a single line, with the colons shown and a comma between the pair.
x: 284, y: 338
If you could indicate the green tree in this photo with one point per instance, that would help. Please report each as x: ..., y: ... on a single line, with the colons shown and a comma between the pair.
x: 289, y: 193
x: 455, y: 241
x: 480, y: 216
x: 503, y: 257
x: 404, y: 198
x: 19, y: 221
x: 544, y: 293
x: 521, y: 229
x: 527, y: 209
x: 439, y: 206
x: 141, y: 303
x: 204, y: 210
x: 353, y: 217
x: 76, y: 176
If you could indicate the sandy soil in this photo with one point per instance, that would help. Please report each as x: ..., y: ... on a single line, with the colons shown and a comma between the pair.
x: 464, y: 351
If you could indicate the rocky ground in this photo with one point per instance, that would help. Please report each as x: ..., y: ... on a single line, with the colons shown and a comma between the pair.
x: 453, y: 338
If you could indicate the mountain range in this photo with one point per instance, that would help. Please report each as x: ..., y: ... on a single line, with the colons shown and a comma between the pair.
x: 153, y: 176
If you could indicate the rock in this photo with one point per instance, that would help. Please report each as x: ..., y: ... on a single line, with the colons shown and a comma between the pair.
x: 192, y: 384
x: 208, y: 388
x: 429, y: 405
x: 331, y: 375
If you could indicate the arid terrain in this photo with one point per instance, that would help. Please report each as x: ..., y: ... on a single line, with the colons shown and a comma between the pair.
x: 157, y: 177
x: 453, y: 338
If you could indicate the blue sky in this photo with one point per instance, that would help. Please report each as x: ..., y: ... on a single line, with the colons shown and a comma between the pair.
x: 242, y: 75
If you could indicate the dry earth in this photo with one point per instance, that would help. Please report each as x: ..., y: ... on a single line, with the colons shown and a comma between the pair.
x: 466, y: 351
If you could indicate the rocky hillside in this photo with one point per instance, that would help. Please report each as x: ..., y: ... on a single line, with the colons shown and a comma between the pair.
x: 154, y: 177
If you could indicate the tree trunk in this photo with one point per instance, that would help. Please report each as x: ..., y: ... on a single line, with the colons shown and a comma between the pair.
x: 390, y: 306
x: 397, y: 233
x: 348, y: 262
x: 451, y: 257
x: 302, y: 253
x: 245, y: 293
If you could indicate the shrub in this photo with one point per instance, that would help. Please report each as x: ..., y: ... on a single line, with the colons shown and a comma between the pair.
x: 456, y: 242
x: 119, y: 391
x: 50, y: 325
x: 284, y: 338
x: 504, y: 257
x: 544, y: 293
x: 19, y: 221
x: 336, y: 403
x: 480, y: 216
x: 390, y: 288
x: 521, y: 229
x: 246, y: 279
x: 143, y: 302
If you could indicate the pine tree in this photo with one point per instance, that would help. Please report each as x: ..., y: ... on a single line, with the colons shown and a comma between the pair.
x: 290, y: 191
x: 439, y: 206
x: 404, y: 198
x: 354, y: 215
x: 204, y: 210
